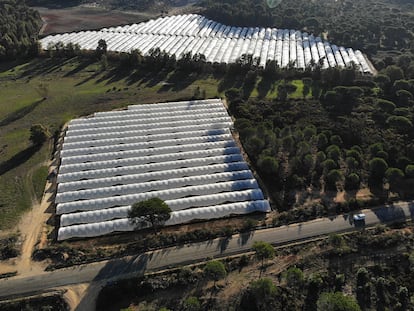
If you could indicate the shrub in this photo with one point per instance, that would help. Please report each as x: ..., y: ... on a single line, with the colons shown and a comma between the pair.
x: 409, y: 171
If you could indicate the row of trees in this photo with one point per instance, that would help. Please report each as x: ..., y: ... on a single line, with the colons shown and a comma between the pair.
x: 19, y: 27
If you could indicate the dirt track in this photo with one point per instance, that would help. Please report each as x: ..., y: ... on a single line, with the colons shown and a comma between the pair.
x: 30, y: 229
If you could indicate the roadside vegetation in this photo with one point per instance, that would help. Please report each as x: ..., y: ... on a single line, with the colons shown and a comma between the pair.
x: 367, y: 270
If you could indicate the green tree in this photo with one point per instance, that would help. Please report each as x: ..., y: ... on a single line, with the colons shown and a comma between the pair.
x: 191, y: 304
x: 375, y: 148
x: 332, y: 178
x: 352, y: 181
x: 38, y: 134
x: 400, y: 123
x: 154, y: 210
x: 263, y: 291
x: 409, y: 171
x: 263, y: 251
x: 329, y: 165
x: 394, y: 175
x: 336, y: 302
x: 352, y: 153
x: 404, y: 98
x: 352, y: 163
x: 377, y: 168
x: 394, y: 73
x: 268, y: 165
x: 254, y: 146
x: 101, y: 48
x: 215, y: 271
x: 322, y: 141
x: 386, y: 105
x: 333, y: 152
x: 294, y: 277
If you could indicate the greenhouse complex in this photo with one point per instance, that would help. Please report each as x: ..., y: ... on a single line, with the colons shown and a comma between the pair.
x: 178, y: 35
x: 181, y: 152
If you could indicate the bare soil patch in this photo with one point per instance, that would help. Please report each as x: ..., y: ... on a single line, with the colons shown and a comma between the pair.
x: 82, y: 18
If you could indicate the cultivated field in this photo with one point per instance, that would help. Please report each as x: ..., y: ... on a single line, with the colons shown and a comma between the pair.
x: 80, y: 18
x: 94, y: 16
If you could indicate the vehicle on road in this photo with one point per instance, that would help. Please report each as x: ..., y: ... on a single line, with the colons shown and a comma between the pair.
x: 359, y: 217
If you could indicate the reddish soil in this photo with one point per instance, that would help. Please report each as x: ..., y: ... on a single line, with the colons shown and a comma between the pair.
x: 82, y: 18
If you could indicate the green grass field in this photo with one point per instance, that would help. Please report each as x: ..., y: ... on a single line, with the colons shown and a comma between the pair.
x: 73, y: 88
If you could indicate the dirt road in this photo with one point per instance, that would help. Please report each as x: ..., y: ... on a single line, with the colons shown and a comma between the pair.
x: 30, y: 228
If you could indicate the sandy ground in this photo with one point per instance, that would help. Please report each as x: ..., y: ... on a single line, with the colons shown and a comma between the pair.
x: 82, y: 297
x: 30, y: 228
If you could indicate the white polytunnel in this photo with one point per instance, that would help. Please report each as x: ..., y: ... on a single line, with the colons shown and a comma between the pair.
x: 143, y: 145
x: 143, y: 168
x: 151, y: 186
x: 126, y: 121
x: 171, y: 193
x: 121, y: 154
x: 154, y: 175
x: 145, y: 138
x: 181, y: 152
x: 149, y: 132
x: 138, y: 116
x: 207, y: 156
x: 178, y: 217
x: 172, y: 124
x: 180, y: 34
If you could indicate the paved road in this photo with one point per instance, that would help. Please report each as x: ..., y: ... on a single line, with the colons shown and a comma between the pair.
x: 157, y: 260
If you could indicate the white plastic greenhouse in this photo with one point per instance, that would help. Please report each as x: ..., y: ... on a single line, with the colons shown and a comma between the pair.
x: 181, y: 34
x: 181, y: 152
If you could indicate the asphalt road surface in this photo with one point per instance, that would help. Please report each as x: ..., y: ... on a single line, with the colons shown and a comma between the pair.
x: 174, y: 256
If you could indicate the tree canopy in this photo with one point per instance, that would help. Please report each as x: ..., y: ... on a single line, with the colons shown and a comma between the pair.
x: 154, y: 210
x: 263, y: 251
x: 19, y: 27
x: 337, y: 302
x: 215, y: 270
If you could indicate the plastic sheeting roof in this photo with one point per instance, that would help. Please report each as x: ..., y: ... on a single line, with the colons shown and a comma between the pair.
x: 196, y: 167
x: 178, y: 35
